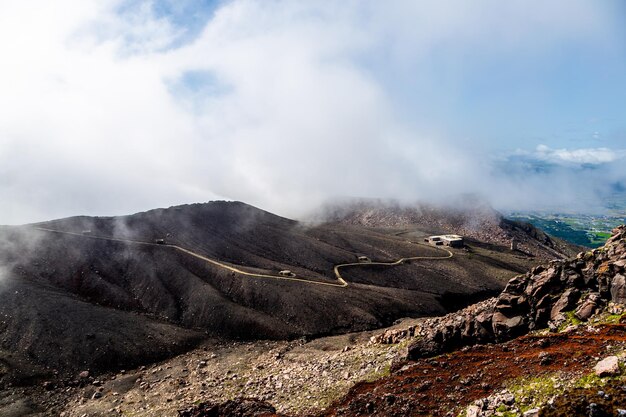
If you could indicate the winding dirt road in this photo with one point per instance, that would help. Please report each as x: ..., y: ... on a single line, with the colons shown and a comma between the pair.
x: 341, y: 282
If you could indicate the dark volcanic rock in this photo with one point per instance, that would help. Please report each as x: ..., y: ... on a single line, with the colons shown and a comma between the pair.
x: 234, y: 408
x: 443, y: 334
x: 588, y: 306
x: 566, y: 302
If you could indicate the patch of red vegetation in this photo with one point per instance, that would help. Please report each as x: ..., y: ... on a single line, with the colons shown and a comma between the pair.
x: 439, y: 386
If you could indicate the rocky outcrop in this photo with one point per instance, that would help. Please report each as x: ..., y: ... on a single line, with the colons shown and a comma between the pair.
x: 583, y: 284
x: 472, y: 325
x: 541, y: 298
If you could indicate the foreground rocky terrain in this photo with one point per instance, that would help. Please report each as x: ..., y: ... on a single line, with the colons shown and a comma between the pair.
x: 301, y: 378
x: 569, y: 362
x: 298, y: 377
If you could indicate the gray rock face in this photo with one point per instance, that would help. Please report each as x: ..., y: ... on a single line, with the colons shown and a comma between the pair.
x: 588, y: 307
x: 618, y: 289
x: 508, y: 327
x: 535, y: 300
x: 566, y: 302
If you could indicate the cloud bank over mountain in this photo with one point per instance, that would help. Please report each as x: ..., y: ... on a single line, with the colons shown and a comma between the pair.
x: 111, y: 107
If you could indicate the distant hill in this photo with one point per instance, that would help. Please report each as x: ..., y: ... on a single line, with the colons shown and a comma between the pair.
x: 112, y: 292
x: 467, y: 216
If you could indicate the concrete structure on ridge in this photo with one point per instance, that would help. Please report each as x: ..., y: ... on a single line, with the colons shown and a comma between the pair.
x: 453, y: 241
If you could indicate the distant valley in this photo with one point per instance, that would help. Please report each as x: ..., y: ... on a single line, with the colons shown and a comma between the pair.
x: 585, y: 229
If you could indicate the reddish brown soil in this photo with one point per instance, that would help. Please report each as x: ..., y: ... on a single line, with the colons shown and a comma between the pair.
x: 439, y: 386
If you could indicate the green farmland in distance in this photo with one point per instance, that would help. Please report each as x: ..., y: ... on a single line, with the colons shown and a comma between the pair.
x: 583, y: 229
x: 591, y: 230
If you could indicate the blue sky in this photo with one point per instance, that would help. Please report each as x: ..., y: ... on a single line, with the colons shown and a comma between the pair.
x: 566, y: 92
x: 188, y: 16
x: 118, y: 106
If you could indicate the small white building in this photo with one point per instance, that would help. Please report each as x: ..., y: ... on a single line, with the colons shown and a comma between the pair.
x: 453, y: 241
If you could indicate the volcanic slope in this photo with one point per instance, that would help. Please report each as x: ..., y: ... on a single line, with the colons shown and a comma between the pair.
x: 468, y: 216
x: 100, y: 293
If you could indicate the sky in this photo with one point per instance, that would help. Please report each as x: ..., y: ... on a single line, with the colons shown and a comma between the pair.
x: 111, y: 107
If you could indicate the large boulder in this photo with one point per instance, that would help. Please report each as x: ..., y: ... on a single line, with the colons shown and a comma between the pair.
x: 505, y: 327
x: 608, y: 366
x: 588, y: 307
x: 618, y: 289
x: 566, y: 302
x: 543, y: 283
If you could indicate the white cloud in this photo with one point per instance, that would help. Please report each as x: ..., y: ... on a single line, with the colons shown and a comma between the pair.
x: 593, y: 156
x: 95, y: 117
